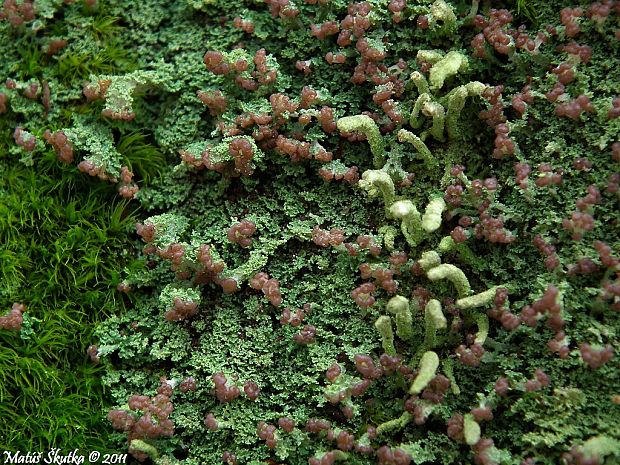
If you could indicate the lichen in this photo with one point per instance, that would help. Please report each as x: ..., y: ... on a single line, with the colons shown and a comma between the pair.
x: 433, y: 191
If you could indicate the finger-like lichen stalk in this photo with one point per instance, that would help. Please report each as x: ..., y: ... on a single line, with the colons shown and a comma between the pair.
x: 477, y: 300
x: 436, y: 111
x: 434, y: 319
x: 411, y: 224
x: 453, y: 274
x: 442, y: 17
x: 376, y: 182
x: 389, y: 236
x: 420, y: 82
x: 430, y: 56
x: 384, y: 326
x: 448, y: 370
x: 395, y: 424
x: 453, y: 63
x: 399, y: 307
x: 472, y: 12
x: 482, y: 320
x: 471, y: 430
x: 466, y: 255
x: 428, y: 367
x: 446, y: 244
x: 431, y: 221
x: 139, y: 445
x: 366, y: 125
x: 429, y: 260
x: 455, y: 101
x: 429, y: 160
x: 414, y: 121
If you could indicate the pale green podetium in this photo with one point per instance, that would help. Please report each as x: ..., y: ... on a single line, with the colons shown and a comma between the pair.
x: 429, y: 260
x: 453, y: 274
x: 144, y: 447
x: 434, y: 320
x: 478, y: 300
x: 411, y: 224
x: 378, y: 182
x: 428, y: 367
x: 429, y: 160
x: 471, y: 430
x: 399, y: 307
x: 384, y: 326
x: 451, y: 64
x: 366, y: 125
x: 442, y: 17
x: 431, y: 221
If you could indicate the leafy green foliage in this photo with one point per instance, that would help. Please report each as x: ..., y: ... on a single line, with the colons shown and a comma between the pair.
x: 139, y: 155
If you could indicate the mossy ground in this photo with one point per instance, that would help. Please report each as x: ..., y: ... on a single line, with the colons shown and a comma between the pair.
x: 63, y: 246
x: 160, y: 45
x: 63, y: 241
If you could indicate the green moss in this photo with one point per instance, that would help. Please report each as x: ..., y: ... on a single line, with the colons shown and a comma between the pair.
x: 63, y: 263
